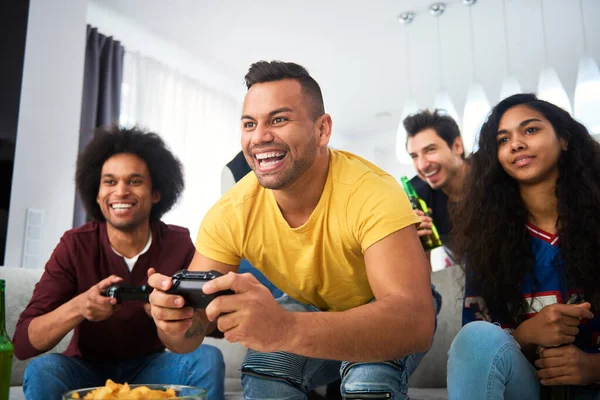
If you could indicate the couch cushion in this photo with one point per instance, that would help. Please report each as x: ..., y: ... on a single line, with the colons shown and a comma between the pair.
x: 427, y: 394
x: 431, y: 372
x: 233, y: 354
x: 19, y: 288
x: 16, y: 393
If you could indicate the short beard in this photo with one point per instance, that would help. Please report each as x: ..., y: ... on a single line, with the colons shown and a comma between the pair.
x: 295, y: 172
x: 128, y: 226
x: 290, y: 177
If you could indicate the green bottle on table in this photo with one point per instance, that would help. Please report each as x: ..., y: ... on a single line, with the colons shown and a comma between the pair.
x: 429, y: 242
x: 6, y: 348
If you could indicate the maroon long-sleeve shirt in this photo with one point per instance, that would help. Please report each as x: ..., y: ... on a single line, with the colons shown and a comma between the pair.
x: 82, y: 259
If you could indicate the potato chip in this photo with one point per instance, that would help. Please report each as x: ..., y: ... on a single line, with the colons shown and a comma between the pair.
x: 117, y: 391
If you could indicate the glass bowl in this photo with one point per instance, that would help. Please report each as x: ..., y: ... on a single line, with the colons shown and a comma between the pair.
x: 182, y: 392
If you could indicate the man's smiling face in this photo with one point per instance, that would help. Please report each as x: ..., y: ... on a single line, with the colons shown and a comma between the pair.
x: 279, y: 133
x: 125, y: 194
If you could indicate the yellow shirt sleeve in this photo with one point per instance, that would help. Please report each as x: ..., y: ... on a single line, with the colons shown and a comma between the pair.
x: 219, y: 235
x: 377, y: 208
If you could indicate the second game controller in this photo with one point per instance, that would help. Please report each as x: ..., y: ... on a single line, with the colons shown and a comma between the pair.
x: 188, y: 284
x: 127, y: 292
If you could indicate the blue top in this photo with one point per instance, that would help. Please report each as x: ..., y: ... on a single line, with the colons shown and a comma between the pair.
x: 550, y: 288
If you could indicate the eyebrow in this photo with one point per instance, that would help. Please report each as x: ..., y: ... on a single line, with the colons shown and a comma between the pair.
x: 428, y: 147
x: 136, y: 175
x: 522, y: 124
x: 272, y: 113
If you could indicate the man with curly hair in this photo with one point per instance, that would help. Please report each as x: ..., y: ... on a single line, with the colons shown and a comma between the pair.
x: 127, y: 180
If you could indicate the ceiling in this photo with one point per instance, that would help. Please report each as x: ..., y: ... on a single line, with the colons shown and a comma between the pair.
x: 354, y: 49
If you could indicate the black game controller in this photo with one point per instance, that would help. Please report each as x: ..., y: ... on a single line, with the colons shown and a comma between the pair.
x: 188, y: 284
x: 128, y: 292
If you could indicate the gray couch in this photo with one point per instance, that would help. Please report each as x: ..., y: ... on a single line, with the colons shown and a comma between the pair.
x: 427, y: 383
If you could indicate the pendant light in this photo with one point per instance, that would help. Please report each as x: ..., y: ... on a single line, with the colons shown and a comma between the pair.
x: 477, y: 104
x: 587, y: 89
x: 549, y: 86
x: 410, y: 106
x: 442, y: 99
x: 510, y: 84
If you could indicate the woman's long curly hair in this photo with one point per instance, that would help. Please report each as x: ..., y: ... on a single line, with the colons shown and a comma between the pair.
x: 489, y: 235
x: 165, y: 169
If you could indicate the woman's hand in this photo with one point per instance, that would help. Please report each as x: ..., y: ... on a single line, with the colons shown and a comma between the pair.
x: 555, y: 325
x: 567, y: 365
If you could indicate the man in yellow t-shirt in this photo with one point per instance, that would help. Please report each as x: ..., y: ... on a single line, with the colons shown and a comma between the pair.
x: 334, y: 232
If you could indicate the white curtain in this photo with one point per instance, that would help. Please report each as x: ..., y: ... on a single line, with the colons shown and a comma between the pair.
x: 199, y: 125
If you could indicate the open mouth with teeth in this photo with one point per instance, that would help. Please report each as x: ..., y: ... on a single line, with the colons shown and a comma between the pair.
x: 431, y: 173
x: 270, y: 160
x: 121, y: 208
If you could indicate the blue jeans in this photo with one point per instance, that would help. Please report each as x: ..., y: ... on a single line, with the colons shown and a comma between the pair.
x: 245, y: 266
x: 51, y: 375
x: 287, y: 376
x: 486, y: 363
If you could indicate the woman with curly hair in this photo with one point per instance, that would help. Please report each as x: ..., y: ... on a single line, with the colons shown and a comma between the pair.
x: 529, y: 243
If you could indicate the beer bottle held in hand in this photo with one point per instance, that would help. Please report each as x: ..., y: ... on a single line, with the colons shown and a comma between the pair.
x: 429, y: 242
x: 6, y: 348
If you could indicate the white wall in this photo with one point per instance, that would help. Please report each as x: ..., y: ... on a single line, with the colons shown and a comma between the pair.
x: 48, y: 128
x: 383, y: 155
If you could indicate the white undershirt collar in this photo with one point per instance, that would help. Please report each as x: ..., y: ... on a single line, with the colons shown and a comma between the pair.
x: 131, y: 261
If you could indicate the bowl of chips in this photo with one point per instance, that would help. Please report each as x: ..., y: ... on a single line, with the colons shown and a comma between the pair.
x: 117, y: 391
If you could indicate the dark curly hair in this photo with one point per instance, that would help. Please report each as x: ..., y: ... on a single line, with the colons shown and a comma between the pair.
x: 265, y: 71
x: 489, y: 235
x: 444, y: 125
x: 165, y: 169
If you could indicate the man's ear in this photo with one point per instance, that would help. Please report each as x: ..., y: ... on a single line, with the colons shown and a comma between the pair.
x: 323, y: 125
x: 458, y: 147
x: 155, y: 197
x: 323, y: 131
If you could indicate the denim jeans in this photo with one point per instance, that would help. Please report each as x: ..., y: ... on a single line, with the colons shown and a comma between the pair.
x: 51, y: 375
x: 245, y: 266
x: 486, y: 363
x: 287, y: 376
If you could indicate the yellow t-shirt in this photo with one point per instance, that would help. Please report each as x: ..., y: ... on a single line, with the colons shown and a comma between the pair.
x: 321, y: 262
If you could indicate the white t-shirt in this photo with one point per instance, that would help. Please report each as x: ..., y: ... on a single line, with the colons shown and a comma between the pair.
x: 131, y: 261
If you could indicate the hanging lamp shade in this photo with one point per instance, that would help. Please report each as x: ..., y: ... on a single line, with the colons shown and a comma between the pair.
x: 444, y: 102
x: 551, y: 89
x: 477, y: 108
x: 410, y: 107
x: 587, y: 94
x: 510, y: 86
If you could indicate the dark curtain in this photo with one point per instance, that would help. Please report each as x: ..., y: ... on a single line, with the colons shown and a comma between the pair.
x: 101, y: 100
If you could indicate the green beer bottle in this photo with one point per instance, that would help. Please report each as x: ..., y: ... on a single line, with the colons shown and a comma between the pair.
x: 6, y: 349
x: 429, y: 242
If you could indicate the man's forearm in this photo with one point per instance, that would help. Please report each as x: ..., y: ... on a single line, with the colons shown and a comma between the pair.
x: 383, y: 330
x: 191, y: 339
x: 46, y: 331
